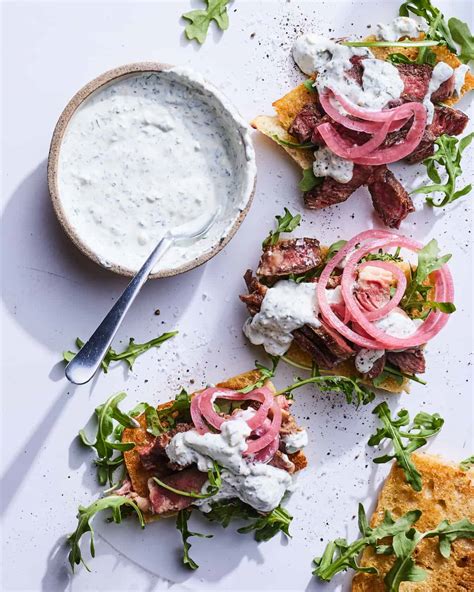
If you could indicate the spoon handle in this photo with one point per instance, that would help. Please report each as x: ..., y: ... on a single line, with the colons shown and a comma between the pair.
x: 86, y: 362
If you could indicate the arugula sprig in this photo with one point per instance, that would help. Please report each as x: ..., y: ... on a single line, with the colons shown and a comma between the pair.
x: 416, y: 294
x: 182, y: 525
x: 265, y: 526
x: 309, y: 180
x: 214, y: 485
x: 424, y: 426
x: 129, y: 354
x: 84, y: 517
x: 285, y: 223
x: 448, y: 156
x: 467, y: 463
x: 317, y: 271
x: 295, y: 145
x: 339, y: 555
x: 199, y: 20
x: 107, y: 442
x: 351, y: 388
x: 446, y: 33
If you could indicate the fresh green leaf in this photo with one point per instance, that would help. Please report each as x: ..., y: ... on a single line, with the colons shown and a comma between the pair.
x: 199, y: 20
x: 226, y: 511
x: 268, y: 525
x: 333, y: 249
x: 309, y: 85
x: 428, y: 57
x: 397, y: 374
x: 352, y: 388
x: 424, y: 426
x: 84, y: 517
x: 215, y: 483
x: 182, y: 526
x: 295, y: 145
x: 309, y: 180
x: 178, y: 410
x: 285, y: 223
x: 129, y: 354
x: 463, y: 37
x: 467, y: 463
x: 265, y: 374
x: 446, y: 161
x: 107, y: 440
x: 154, y: 425
x: 438, y: 29
x: 447, y: 533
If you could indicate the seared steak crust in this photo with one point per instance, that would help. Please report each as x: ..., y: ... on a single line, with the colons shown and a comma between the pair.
x: 390, y: 199
x: 331, y: 192
x: 295, y: 255
x: 411, y: 361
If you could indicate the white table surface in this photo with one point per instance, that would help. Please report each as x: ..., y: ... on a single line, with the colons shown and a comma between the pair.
x: 51, y: 294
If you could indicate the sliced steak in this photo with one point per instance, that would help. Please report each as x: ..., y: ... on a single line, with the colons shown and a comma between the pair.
x: 325, y: 346
x: 444, y: 91
x: 295, y: 255
x: 153, y: 457
x: 389, y: 198
x: 288, y: 423
x: 445, y: 121
x: 281, y: 461
x: 331, y: 192
x: 304, y: 123
x: 163, y: 501
x: 416, y: 79
x: 411, y: 361
x: 256, y: 294
x: 377, y: 368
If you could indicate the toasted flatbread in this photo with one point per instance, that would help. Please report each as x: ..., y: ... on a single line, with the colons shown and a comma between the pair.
x: 291, y: 104
x: 448, y: 493
x: 139, y: 476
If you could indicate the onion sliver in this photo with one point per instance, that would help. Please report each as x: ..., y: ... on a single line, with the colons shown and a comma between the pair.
x: 272, y: 432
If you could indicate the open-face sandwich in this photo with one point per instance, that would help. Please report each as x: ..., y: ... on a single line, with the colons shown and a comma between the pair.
x: 230, y: 451
x: 363, y: 308
x: 419, y: 541
x: 372, y: 102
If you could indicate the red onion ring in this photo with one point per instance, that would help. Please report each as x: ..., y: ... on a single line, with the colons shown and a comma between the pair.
x: 378, y: 313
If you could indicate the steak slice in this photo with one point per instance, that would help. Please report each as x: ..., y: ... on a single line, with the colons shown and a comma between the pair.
x: 281, y: 461
x: 163, y: 501
x: 377, y: 368
x: 294, y: 255
x: 445, y: 121
x: 256, y: 294
x: 411, y: 361
x: 444, y: 91
x: 304, y: 123
x: 325, y: 345
x: 331, y: 192
x: 390, y: 199
x: 416, y: 79
x: 153, y: 457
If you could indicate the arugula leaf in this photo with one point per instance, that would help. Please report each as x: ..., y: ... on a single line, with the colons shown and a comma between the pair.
x: 265, y: 526
x: 268, y: 525
x: 295, y: 145
x: 285, y: 223
x: 438, y: 28
x: 309, y: 180
x: 463, y: 37
x: 179, y: 409
x: 316, y: 272
x: 467, y: 463
x: 84, y: 517
x: 265, y: 374
x: 389, y: 370
x: 429, y: 57
x: 199, y: 20
x: 215, y: 483
x: 333, y: 249
x: 108, y: 439
x: 424, y: 426
x: 448, y: 157
x: 339, y: 555
x: 182, y: 526
x: 352, y: 388
x: 416, y: 293
x: 129, y: 354
x: 309, y: 84
x: 154, y: 425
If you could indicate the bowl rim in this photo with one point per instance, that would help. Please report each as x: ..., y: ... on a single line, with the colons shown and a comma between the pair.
x: 53, y: 160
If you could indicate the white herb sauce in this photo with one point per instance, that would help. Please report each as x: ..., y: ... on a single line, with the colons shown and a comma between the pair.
x: 366, y: 358
x: 150, y: 151
x: 397, y: 324
x: 441, y: 73
x: 381, y: 81
x: 258, y: 485
x: 286, y: 306
x: 459, y: 78
x: 295, y: 441
x: 328, y: 164
x: 400, y: 27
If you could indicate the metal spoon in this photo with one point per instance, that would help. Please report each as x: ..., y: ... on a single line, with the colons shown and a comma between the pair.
x: 86, y: 362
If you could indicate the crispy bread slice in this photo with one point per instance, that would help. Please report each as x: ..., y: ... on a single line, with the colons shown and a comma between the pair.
x: 139, y: 475
x: 291, y: 104
x: 448, y: 493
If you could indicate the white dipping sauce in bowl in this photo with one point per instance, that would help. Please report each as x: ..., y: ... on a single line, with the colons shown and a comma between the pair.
x: 148, y: 151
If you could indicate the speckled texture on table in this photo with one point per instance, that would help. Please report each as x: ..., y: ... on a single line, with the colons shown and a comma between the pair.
x: 52, y: 294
